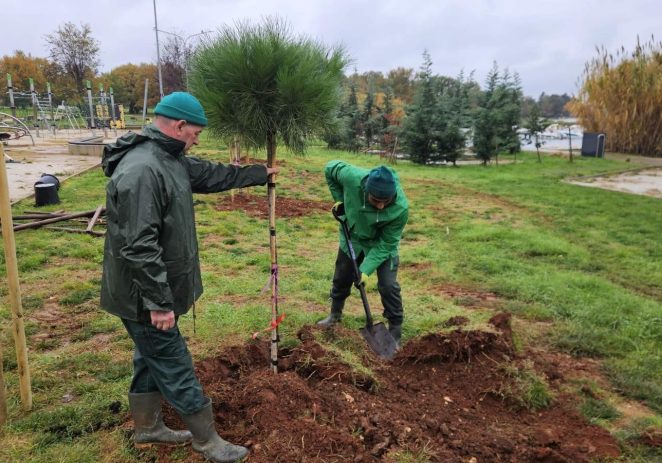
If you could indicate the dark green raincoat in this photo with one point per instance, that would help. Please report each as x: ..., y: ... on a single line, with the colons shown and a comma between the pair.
x: 151, y: 251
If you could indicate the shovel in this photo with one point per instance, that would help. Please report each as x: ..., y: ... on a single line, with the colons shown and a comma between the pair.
x: 376, y: 335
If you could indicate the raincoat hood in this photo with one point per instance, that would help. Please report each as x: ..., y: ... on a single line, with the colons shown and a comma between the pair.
x: 114, y: 152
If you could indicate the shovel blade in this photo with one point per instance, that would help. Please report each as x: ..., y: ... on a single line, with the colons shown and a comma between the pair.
x: 380, y: 340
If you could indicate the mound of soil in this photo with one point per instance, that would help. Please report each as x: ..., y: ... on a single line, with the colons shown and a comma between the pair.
x: 438, y: 401
x: 258, y: 206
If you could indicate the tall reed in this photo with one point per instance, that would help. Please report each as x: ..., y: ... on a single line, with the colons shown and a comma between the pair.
x: 621, y: 95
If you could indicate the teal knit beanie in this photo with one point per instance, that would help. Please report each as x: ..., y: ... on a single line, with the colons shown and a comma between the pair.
x: 381, y: 183
x: 182, y: 106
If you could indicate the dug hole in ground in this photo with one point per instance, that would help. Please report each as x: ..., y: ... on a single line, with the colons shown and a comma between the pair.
x: 446, y: 397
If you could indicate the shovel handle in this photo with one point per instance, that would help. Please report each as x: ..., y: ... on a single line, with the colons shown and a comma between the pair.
x: 357, y: 273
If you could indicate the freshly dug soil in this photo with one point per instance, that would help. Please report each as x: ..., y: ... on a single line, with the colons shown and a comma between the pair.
x: 258, y: 206
x: 441, y: 400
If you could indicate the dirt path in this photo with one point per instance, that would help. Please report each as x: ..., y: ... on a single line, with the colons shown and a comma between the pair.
x: 646, y: 182
x: 49, y: 155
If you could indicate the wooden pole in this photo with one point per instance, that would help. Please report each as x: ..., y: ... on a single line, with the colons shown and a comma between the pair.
x: 3, y: 398
x: 14, y: 287
x: 271, y: 195
x: 51, y: 220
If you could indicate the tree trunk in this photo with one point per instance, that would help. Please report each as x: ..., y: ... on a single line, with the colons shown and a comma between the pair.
x: 271, y: 195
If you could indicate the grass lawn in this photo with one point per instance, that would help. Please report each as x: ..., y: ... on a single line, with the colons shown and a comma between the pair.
x: 580, y: 268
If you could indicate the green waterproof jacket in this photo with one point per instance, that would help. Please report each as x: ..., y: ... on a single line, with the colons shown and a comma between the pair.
x: 151, y: 252
x: 374, y: 232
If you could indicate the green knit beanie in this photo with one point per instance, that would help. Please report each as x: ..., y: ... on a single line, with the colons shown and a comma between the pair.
x: 182, y: 106
x: 381, y: 183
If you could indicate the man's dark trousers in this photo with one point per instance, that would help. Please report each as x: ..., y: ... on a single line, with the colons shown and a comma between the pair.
x: 162, y: 362
x: 387, y: 284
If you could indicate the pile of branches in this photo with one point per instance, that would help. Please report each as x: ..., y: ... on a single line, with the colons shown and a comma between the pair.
x: 79, y: 222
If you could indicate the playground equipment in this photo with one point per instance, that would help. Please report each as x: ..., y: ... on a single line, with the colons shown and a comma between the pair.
x: 101, y: 112
x: 12, y: 128
x: 98, y: 112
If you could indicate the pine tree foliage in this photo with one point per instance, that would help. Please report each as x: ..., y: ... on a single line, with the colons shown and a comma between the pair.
x: 260, y: 83
x: 497, y: 118
x: 418, y: 127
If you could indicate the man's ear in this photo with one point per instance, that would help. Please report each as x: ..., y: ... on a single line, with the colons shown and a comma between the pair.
x: 179, y: 125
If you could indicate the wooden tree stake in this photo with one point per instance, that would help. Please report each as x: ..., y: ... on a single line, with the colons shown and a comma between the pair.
x: 14, y: 287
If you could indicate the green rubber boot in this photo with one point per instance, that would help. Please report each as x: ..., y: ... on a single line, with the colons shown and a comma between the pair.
x: 334, y: 317
x: 207, y: 441
x: 148, y: 420
x: 396, y: 332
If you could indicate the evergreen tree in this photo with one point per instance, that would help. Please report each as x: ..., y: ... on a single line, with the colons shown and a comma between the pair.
x: 449, y: 139
x: 485, y: 122
x: 497, y: 119
x: 418, y: 127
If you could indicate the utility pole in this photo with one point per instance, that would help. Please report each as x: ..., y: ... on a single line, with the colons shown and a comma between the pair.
x: 158, y: 52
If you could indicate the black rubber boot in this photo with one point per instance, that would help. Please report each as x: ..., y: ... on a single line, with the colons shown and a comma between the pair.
x: 148, y: 419
x: 207, y: 441
x: 334, y: 317
x: 396, y: 332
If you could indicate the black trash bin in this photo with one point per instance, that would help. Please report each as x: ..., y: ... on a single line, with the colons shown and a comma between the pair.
x: 45, y: 190
x: 48, y: 178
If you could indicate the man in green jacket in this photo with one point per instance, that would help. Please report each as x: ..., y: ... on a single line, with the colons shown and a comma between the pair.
x: 151, y: 269
x: 376, y: 210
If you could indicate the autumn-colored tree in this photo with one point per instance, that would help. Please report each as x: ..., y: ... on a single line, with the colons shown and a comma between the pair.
x: 75, y: 51
x: 128, y: 82
x: 401, y: 81
x: 22, y: 67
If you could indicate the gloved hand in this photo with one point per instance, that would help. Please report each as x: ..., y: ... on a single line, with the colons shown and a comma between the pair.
x: 338, y: 209
x: 368, y: 280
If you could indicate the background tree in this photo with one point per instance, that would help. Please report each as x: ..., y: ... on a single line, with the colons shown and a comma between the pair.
x: 450, y: 110
x: 497, y: 118
x: 75, y: 51
x: 536, y: 125
x: 401, y: 81
x: 175, y: 55
x: 371, y: 119
x: 262, y: 84
x: 553, y: 105
x: 417, y: 131
x: 22, y: 67
x: 128, y: 82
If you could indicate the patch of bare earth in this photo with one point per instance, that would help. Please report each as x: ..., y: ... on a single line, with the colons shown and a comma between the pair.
x: 438, y: 399
x: 468, y: 297
x: 257, y: 206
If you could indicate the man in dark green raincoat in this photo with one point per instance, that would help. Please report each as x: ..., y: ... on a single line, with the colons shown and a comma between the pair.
x: 376, y: 210
x: 151, y: 269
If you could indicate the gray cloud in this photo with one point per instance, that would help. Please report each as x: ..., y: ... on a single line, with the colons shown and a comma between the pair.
x: 546, y: 42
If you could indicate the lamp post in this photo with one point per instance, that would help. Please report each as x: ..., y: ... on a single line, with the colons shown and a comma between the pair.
x: 158, y: 53
x: 184, y: 41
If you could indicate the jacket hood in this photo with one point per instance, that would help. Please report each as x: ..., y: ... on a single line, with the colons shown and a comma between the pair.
x: 113, y: 153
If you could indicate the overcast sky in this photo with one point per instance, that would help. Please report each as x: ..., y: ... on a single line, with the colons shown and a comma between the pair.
x: 546, y: 42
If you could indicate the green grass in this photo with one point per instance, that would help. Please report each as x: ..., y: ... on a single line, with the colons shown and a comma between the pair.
x: 585, y: 260
x: 525, y: 388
